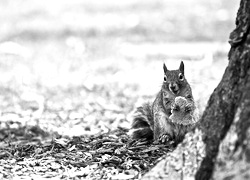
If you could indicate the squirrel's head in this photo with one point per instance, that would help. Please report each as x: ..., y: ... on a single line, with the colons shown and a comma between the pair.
x: 174, y: 80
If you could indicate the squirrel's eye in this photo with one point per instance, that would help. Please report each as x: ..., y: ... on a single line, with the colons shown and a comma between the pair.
x: 165, y: 78
x: 181, y: 77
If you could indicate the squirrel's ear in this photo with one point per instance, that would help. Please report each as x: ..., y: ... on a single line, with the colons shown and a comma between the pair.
x: 181, y: 68
x: 165, y: 68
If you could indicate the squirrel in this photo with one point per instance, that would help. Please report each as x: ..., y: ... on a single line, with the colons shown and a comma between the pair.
x: 171, y: 114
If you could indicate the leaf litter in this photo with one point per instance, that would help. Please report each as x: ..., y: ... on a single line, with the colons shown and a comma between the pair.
x: 110, y: 155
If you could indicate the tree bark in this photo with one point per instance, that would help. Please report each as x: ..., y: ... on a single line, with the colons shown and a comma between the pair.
x: 227, y: 115
x: 232, y: 95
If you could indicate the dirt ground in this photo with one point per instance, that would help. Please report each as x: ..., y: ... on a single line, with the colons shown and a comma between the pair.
x: 78, y: 68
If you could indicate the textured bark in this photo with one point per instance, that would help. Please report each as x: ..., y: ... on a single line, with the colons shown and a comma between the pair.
x: 232, y: 95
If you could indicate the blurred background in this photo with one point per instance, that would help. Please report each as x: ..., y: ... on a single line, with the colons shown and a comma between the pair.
x: 80, y: 67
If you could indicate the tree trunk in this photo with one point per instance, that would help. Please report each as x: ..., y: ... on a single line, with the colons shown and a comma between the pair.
x: 227, y: 114
x: 230, y: 102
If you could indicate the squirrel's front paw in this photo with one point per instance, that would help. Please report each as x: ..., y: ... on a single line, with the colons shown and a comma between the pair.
x: 164, y: 138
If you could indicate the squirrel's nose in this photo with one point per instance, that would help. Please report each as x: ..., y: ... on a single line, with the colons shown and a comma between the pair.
x: 173, y: 87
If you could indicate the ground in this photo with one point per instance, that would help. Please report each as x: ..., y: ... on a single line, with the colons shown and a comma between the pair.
x: 71, y: 72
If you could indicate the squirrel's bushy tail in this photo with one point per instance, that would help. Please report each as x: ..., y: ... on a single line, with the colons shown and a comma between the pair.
x: 142, y: 122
